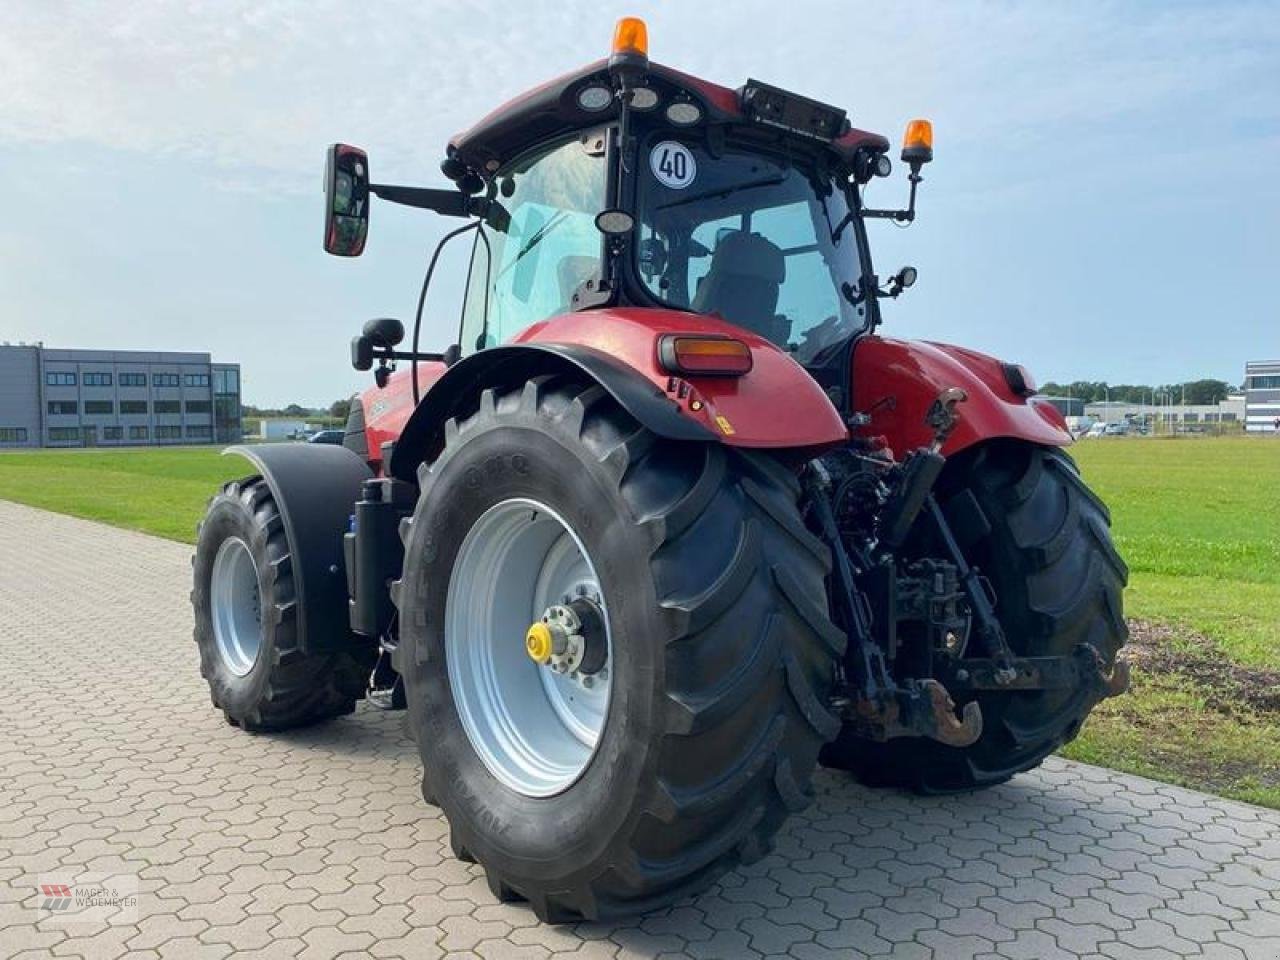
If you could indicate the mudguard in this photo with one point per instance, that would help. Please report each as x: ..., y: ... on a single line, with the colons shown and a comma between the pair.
x: 315, y: 487
x: 895, y: 381
x: 777, y: 405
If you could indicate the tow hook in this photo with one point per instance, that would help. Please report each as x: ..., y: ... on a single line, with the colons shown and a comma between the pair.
x: 569, y: 639
x: 919, y: 708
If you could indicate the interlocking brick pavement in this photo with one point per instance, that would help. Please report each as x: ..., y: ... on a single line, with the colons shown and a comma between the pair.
x: 315, y: 844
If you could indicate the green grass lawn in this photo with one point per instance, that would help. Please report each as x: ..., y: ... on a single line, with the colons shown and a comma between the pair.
x: 1197, y: 519
x: 157, y: 491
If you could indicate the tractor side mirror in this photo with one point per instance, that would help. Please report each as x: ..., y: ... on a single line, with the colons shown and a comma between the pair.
x: 346, y: 200
x: 377, y: 338
x: 383, y: 331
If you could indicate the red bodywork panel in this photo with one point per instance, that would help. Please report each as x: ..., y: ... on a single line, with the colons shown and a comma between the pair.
x: 387, y: 410
x: 777, y: 404
x: 895, y: 381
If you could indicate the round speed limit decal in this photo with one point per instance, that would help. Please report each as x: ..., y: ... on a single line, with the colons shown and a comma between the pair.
x: 672, y: 164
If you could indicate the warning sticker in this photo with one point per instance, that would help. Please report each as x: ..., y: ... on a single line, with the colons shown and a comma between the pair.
x: 673, y: 165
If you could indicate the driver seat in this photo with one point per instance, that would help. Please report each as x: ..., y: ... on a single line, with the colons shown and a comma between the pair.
x: 742, y: 284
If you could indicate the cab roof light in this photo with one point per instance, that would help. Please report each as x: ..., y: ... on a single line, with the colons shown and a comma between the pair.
x: 917, y: 142
x: 629, y: 57
x: 631, y: 36
x: 693, y: 355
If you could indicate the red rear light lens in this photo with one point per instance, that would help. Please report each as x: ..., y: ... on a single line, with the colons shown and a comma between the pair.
x: 695, y: 356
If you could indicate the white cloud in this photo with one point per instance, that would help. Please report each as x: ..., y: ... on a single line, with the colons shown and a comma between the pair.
x: 264, y: 85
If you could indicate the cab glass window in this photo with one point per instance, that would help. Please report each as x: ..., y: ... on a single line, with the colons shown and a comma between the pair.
x: 537, y: 246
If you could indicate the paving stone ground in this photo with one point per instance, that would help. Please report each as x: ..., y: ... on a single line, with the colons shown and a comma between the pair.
x: 316, y: 844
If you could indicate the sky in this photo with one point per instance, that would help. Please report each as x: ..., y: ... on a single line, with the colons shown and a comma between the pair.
x: 1103, y: 203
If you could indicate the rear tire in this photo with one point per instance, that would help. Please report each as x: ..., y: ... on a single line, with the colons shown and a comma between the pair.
x: 1025, y: 518
x: 722, y: 655
x: 246, y: 623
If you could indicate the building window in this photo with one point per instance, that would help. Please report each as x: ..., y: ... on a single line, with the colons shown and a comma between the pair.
x: 168, y: 406
x: 97, y: 379
x: 137, y: 433
x: 1265, y: 383
x: 168, y: 433
x: 1228, y: 417
x: 164, y: 379
x: 99, y: 406
x: 133, y: 406
x: 60, y: 379
x: 1191, y: 418
x: 200, y: 432
x: 197, y: 406
x: 113, y: 433
x: 64, y: 407
x: 133, y: 379
x: 64, y: 433
x: 196, y: 379
x: 13, y: 434
x: 226, y: 381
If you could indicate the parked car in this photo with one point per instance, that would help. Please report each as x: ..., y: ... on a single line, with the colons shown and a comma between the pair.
x: 1097, y: 430
x: 326, y: 436
x: 1119, y: 429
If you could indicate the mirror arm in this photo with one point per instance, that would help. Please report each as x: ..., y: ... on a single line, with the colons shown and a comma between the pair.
x: 407, y: 355
x: 901, y: 216
x: 448, y: 203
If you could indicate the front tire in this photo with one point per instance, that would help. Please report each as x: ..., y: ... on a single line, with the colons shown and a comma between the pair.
x: 721, y: 652
x: 1025, y: 518
x: 246, y: 624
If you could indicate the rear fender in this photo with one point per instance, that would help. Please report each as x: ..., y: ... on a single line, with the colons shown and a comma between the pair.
x: 315, y: 487
x: 778, y: 405
x: 895, y: 381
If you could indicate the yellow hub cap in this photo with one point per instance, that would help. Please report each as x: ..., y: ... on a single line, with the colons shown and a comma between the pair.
x: 537, y: 643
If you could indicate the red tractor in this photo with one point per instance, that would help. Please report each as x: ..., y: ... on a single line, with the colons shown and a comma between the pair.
x: 671, y: 524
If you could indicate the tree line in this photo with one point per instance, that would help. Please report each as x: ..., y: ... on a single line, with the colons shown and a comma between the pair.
x: 1192, y: 391
x: 337, y: 410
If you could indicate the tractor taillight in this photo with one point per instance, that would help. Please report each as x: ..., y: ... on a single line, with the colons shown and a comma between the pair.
x: 694, y: 356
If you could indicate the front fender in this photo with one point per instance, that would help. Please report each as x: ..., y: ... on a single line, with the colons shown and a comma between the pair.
x: 895, y: 381
x: 315, y: 487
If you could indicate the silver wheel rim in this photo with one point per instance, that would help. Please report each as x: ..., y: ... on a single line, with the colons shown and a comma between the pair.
x: 536, y: 730
x: 237, y: 606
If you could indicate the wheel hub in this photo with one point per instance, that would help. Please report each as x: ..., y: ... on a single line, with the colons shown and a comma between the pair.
x: 569, y: 638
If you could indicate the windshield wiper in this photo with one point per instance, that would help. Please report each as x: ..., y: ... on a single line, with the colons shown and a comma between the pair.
x: 538, y: 236
x: 723, y: 192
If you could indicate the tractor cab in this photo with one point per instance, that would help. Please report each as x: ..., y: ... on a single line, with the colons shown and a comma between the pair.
x: 628, y: 183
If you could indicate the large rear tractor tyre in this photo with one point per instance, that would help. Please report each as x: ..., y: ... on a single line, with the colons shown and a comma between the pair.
x: 1041, y: 537
x: 246, y: 621
x: 709, y: 639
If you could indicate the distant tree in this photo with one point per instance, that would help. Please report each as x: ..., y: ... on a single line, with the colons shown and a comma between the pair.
x: 339, y: 409
x: 294, y: 410
x: 1206, y: 391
